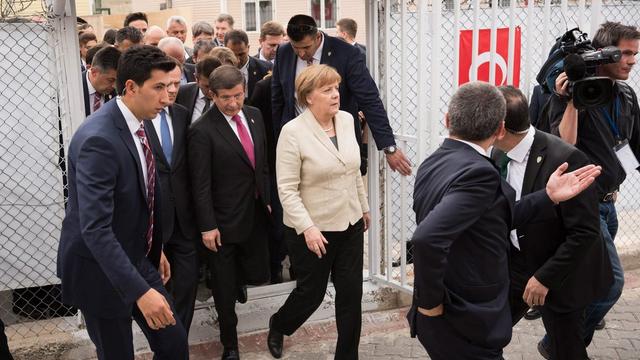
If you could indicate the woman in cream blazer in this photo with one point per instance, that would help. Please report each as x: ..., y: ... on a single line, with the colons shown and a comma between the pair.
x: 325, y: 210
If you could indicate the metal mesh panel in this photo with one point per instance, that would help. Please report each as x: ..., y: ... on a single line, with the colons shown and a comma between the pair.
x: 32, y: 176
x: 399, y: 79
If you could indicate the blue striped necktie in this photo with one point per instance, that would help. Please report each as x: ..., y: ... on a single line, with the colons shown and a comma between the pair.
x: 167, y: 146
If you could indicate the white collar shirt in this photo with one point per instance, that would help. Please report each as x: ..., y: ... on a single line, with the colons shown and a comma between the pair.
x: 245, y: 72
x: 134, y: 124
x: 198, y: 108
x: 261, y: 57
x: 157, y: 125
x: 474, y: 146
x: 302, y: 64
x: 234, y: 126
x: 516, y: 168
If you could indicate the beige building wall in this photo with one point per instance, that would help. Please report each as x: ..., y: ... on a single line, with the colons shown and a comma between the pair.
x: 208, y: 10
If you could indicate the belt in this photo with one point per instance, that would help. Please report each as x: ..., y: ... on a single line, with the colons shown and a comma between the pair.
x: 609, y: 197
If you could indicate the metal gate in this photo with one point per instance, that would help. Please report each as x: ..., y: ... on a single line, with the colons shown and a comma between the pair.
x: 415, y: 46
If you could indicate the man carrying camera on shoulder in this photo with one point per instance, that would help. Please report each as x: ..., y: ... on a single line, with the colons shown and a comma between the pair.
x: 610, y: 136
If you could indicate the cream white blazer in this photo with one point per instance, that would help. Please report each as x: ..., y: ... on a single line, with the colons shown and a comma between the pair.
x: 317, y: 183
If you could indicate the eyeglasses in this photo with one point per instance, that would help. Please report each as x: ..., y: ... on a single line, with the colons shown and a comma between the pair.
x: 302, y: 28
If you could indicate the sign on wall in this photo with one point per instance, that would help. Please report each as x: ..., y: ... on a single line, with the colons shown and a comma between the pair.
x: 483, y: 60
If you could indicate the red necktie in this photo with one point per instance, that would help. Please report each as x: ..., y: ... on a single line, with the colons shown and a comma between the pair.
x: 96, y: 101
x: 245, y: 139
x: 151, y: 181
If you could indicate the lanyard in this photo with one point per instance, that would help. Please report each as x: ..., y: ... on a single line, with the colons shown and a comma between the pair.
x: 612, y: 123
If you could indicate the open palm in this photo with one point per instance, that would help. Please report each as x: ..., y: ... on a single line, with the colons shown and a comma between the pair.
x: 562, y: 187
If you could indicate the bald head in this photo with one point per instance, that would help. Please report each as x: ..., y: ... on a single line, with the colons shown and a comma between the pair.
x: 153, y: 35
x: 172, y: 47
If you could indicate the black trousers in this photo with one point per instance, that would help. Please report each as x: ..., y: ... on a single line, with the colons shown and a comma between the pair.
x: 565, y: 329
x: 277, y: 248
x: 4, y: 344
x: 234, y: 266
x: 113, y: 337
x: 344, y: 261
x: 183, y: 284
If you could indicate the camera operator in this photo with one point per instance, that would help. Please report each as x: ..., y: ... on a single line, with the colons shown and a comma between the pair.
x: 610, y: 137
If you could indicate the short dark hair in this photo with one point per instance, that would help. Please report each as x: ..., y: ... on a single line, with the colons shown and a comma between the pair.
x: 225, y: 77
x: 202, y: 27
x: 349, y: 26
x: 476, y: 111
x: 137, y: 63
x: 85, y: 37
x: 610, y: 33
x: 236, y: 37
x: 225, y: 17
x: 271, y: 28
x: 131, y: 17
x: 106, y: 59
x: 110, y: 36
x: 301, y: 26
x: 517, y: 118
x: 205, y: 45
x: 91, y: 53
x: 206, y: 65
x: 129, y: 33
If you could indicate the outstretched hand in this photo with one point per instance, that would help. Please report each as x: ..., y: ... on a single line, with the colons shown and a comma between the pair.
x: 562, y: 187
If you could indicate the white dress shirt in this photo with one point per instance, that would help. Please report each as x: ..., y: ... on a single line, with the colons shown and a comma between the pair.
x: 516, y: 168
x: 261, y: 57
x: 92, y: 92
x: 301, y: 65
x: 134, y: 124
x: 199, y: 106
x: 234, y: 126
x: 157, y: 123
x: 245, y: 72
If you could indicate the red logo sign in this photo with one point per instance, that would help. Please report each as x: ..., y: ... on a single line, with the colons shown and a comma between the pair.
x: 483, y: 60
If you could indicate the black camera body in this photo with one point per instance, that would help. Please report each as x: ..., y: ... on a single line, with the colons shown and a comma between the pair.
x: 574, y: 55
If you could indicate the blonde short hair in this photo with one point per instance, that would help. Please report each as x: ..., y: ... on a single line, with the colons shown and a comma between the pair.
x: 225, y: 55
x: 314, y: 77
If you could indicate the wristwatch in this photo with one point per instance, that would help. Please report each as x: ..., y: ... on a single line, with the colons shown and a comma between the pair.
x: 390, y: 150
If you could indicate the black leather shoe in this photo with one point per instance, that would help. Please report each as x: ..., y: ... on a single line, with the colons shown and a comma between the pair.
x: 276, y: 277
x: 230, y: 354
x: 533, y: 314
x: 242, y: 294
x: 543, y: 350
x: 601, y: 325
x: 275, y: 340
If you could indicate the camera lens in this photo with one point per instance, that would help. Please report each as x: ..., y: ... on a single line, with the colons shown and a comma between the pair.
x: 592, y: 92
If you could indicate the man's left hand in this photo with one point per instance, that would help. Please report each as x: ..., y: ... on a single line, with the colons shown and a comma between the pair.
x: 164, y: 269
x: 399, y: 162
x: 562, y: 187
x: 534, y: 293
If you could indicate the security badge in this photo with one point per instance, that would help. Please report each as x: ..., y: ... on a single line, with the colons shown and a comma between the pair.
x: 626, y: 157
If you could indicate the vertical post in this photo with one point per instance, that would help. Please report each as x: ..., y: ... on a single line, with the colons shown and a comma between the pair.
x: 493, y: 44
x: 512, y: 42
x: 456, y: 42
x: 582, y: 23
x: 474, y: 40
x: 385, y: 174
x: 596, y: 16
x: 546, y: 25
x: 436, y: 63
x: 422, y: 139
x: 527, y: 54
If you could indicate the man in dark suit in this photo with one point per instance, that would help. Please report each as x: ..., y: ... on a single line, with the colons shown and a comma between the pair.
x: 358, y: 91
x: 271, y: 36
x: 98, y: 83
x: 196, y: 96
x: 464, y: 212
x: 252, y: 69
x: 168, y: 138
x: 347, y: 29
x: 175, y: 48
x: 110, y: 256
x: 560, y: 261
x: 230, y: 176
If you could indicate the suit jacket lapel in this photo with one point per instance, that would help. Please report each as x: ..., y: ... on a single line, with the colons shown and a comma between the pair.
x: 194, y: 99
x: 251, y: 75
x: 155, y: 143
x: 312, y: 123
x: 256, y: 136
x: 227, y: 133
x: 85, y: 89
x: 327, y: 51
x: 177, y: 138
x: 125, y: 135
x: 536, y: 159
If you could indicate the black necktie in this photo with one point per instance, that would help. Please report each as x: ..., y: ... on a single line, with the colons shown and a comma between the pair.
x: 504, y: 166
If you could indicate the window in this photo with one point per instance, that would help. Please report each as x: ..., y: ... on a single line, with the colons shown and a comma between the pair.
x: 324, y: 12
x: 256, y: 13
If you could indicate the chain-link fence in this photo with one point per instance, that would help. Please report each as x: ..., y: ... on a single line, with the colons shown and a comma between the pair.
x: 32, y: 169
x: 416, y: 98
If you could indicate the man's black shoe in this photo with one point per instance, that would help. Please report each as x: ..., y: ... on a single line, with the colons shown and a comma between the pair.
x: 274, y: 340
x: 276, y: 277
x: 542, y: 349
x: 230, y: 354
x: 242, y: 294
x: 532, y: 314
x: 601, y: 325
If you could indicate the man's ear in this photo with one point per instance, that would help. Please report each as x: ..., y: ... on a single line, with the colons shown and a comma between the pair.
x: 501, y: 132
x: 446, y: 120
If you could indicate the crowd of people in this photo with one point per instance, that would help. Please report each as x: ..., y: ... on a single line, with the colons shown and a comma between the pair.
x: 215, y: 155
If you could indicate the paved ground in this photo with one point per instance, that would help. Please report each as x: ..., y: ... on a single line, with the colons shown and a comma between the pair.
x: 385, y: 336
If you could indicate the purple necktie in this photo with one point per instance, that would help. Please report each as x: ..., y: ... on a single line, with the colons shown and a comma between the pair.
x: 151, y: 181
x: 245, y: 139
